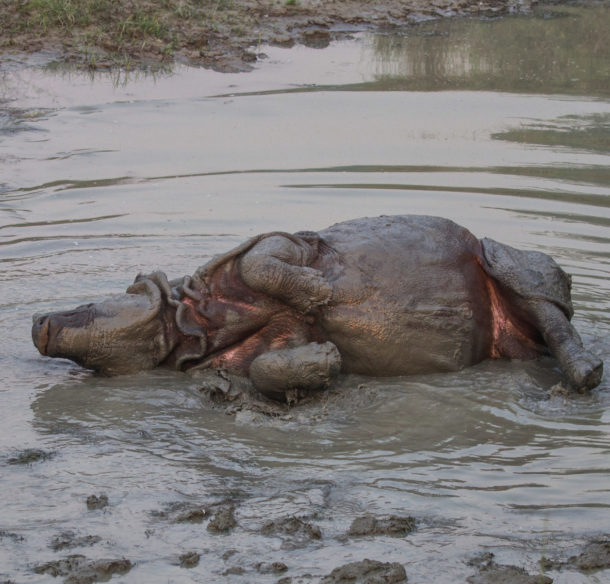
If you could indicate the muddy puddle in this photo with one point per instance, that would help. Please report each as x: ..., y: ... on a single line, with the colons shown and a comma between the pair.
x: 500, y: 125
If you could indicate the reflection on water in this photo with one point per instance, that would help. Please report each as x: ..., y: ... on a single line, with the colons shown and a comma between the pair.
x: 102, y: 180
x: 575, y: 132
x: 562, y: 49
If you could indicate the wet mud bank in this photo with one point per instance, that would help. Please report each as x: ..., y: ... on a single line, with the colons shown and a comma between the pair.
x: 76, y: 552
x: 77, y: 569
x: 224, y: 36
x: 294, y: 533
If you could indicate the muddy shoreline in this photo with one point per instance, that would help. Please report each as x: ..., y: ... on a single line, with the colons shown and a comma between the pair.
x: 221, y: 35
x: 297, y: 532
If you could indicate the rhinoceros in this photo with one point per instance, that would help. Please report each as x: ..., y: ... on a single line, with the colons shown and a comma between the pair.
x: 384, y: 296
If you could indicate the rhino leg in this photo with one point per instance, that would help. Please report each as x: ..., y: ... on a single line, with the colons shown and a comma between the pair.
x: 539, y: 292
x: 278, y: 266
x: 582, y: 369
x: 309, y: 367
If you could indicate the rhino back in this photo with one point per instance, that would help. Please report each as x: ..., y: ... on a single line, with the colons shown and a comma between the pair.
x: 409, y: 295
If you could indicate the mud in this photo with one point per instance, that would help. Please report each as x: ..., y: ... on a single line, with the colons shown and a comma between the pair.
x: 492, y: 573
x: 237, y: 397
x: 594, y: 557
x: 69, y: 540
x: 271, y: 568
x: 394, y: 526
x: 96, y: 502
x: 507, y: 575
x: 223, y: 520
x: 189, y: 560
x: 14, y: 537
x: 181, y: 512
x: 367, y: 572
x: 293, y: 531
x: 29, y: 456
x: 77, y: 569
x: 227, y: 36
x: 234, y: 571
x: 221, y: 515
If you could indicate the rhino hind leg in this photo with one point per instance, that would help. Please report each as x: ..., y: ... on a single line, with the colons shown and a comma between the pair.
x: 537, y: 292
x: 311, y: 367
x: 582, y: 369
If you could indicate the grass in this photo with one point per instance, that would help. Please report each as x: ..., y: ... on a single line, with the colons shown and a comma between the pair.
x: 112, y: 29
x: 114, y: 18
x: 64, y: 14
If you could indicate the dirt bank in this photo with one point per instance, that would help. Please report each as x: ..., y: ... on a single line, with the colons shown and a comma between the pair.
x: 221, y: 34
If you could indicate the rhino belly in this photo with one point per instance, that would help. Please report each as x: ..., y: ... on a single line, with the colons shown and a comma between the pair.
x: 409, y: 296
x: 386, y: 341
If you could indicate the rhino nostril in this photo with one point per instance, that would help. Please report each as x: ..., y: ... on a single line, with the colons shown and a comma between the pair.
x: 39, y: 321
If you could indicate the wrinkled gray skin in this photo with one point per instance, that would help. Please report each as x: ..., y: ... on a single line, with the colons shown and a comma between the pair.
x: 379, y: 296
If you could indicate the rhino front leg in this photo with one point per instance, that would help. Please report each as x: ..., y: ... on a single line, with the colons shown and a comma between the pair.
x: 307, y: 367
x: 279, y: 267
x: 582, y: 369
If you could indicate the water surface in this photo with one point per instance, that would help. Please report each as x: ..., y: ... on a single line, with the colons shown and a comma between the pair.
x: 502, y: 126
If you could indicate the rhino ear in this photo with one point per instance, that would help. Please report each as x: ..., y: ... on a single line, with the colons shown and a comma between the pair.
x: 128, y: 332
x: 147, y: 287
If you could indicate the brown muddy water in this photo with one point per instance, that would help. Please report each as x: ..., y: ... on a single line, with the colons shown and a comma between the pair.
x: 502, y: 126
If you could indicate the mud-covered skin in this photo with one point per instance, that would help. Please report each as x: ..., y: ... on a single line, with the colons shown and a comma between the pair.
x: 125, y: 333
x: 376, y: 296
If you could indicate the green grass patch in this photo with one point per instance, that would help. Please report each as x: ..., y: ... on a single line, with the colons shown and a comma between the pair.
x: 102, y: 33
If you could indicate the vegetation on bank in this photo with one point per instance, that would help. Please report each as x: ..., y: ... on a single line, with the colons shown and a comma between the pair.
x: 104, y: 32
x: 215, y: 33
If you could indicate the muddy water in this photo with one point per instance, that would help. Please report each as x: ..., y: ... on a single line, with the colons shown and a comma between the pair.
x: 103, y: 177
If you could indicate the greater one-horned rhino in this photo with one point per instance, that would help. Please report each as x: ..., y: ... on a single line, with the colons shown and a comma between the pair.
x: 385, y: 296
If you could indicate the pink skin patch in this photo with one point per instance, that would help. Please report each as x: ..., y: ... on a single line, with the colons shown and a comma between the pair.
x: 238, y: 331
x: 511, y: 337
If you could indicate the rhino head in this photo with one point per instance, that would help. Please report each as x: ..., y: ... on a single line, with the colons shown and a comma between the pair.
x: 126, y: 333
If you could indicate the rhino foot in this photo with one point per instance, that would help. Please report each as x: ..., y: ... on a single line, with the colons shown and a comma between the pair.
x: 583, y: 370
x: 280, y: 374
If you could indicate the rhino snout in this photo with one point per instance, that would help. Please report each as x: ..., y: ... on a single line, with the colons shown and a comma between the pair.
x: 62, y: 334
x: 40, y: 332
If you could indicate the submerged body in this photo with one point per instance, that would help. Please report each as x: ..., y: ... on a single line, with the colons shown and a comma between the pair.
x: 377, y: 296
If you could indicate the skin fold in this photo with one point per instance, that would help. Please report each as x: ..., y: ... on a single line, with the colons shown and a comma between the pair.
x: 381, y: 296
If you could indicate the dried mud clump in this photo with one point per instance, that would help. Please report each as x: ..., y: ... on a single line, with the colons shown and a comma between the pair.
x: 15, y: 537
x: 30, y: 455
x: 271, y: 568
x: 492, y: 573
x: 367, y: 572
x: 183, y: 513
x: 393, y: 526
x: 78, y: 569
x: 595, y: 556
x: 189, y: 560
x: 223, y: 521
x: 294, y: 531
x: 68, y: 540
x: 96, y: 502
